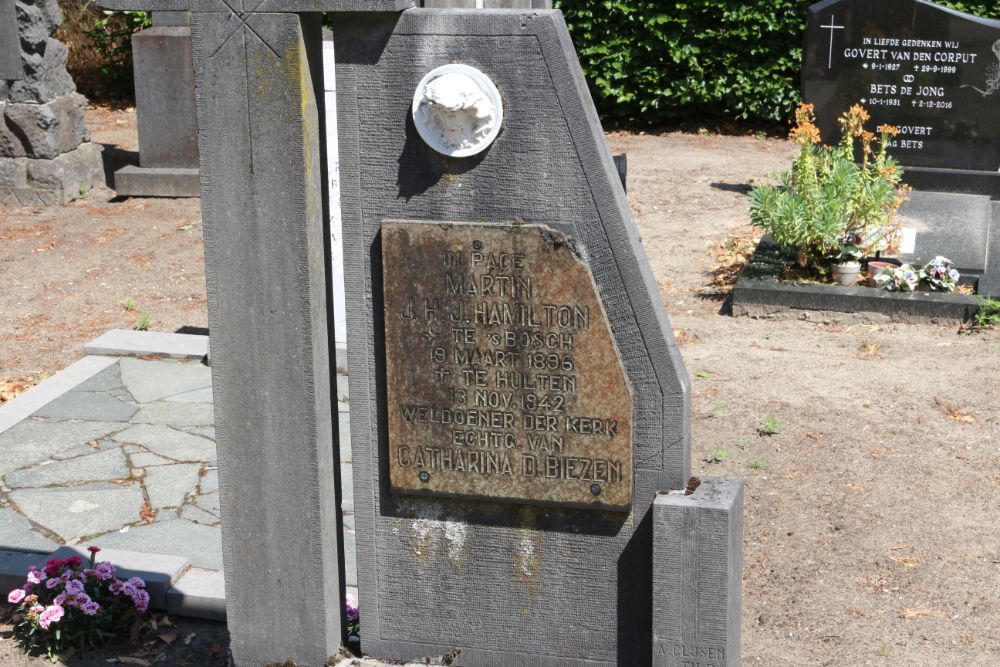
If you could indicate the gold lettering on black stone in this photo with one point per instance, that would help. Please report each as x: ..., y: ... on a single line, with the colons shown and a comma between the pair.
x: 502, y: 376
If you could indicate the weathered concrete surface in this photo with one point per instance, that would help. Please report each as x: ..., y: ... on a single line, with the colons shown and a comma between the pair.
x: 45, y: 157
x: 697, y: 575
x: 166, y: 112
x: 259, y: 104
x: 506, y: 585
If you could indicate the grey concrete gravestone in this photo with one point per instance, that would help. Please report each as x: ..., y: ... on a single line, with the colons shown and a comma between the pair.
x: 165, y: 112
x: 258, y: 79
x: 505, y: 584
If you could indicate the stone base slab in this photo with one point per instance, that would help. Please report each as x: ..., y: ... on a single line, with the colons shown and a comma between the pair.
x: 28, y: 182
x: 128, y: 343
x: 133, y: 181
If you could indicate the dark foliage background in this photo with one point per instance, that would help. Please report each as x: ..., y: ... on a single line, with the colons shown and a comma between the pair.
x: 657, y: 62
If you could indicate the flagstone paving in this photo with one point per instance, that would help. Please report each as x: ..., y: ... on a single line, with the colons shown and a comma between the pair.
x: 126, y: 460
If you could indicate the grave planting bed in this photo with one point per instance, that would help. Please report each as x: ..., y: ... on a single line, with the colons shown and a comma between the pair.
x: 761, y: 292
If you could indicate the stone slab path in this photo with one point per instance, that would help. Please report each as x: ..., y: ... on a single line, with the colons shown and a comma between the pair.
x: 126, y: 460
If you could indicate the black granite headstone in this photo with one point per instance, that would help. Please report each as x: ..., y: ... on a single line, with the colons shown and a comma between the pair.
x: 932, y: 72
x: 10, y: 46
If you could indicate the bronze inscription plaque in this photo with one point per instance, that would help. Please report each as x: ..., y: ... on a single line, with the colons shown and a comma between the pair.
x: 502, y: 377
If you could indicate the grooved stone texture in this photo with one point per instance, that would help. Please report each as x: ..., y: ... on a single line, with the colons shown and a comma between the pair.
x: 509, y: 586
x: 697, y: 575
x: 45, y: 155
x: 259, y: 104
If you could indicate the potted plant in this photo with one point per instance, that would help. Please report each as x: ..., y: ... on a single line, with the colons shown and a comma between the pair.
x: 847, y: 264
x: 836, y: 204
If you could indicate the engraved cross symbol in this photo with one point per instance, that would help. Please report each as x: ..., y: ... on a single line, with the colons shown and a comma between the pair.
x: 833, y: 26
x: 242, y: 15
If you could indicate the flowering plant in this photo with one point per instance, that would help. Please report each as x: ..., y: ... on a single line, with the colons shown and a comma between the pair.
x: 66, y: 607
x: 352, y: 616
x: 834, y: 193
x: 940, y: 275
x: 900, y: 279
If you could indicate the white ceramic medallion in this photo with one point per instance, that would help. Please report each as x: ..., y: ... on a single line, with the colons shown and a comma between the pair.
x: 457, y: 110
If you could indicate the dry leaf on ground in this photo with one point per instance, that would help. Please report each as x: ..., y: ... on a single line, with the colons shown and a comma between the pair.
x: 906, y: 561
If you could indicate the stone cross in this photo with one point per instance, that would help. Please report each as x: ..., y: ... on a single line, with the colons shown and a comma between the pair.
x: 10, y: 45
x: 259, y: 88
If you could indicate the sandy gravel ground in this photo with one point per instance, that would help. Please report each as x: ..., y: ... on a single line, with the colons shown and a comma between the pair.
x: 871, y: 532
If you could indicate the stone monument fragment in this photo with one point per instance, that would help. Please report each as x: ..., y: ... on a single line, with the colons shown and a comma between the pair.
x: 259, y: 90
x: 46, y: 157
x: 490, y: 382
x: 165, y: 112
x: 934, y: 74
x: 698, y: 556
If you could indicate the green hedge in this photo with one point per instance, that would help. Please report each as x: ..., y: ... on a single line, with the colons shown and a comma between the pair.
x: 653, y: 62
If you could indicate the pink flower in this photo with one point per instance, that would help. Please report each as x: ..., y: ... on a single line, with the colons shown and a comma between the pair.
x: 90, y: 608
x: 52, y: 583
x: 104, y: 570
x: 74, y: 587
x: 36, y: 577
x: 93, y: 549
x: 16, y: 596
x: 36, y: 609
x: 351, y: 608
x: 74, y: 561
x: 52, y: 614
x: 136, y: 582
x: 141, y: 601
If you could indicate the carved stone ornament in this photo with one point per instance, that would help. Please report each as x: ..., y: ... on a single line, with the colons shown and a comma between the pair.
x: 457, y: 110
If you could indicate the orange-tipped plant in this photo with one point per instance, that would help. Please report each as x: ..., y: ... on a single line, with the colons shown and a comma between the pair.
x: 829, y: 205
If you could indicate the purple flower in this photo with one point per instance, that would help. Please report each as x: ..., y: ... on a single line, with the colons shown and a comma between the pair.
x: 74, y: 587
x: 141, y: 600
x: 90, y: 608
x: 116, y: 586
x: 53, y: 582
x: 52, y: 614
x: 351, y: 608
x: 16, y: 596
x: 36, y: 577
x: 136, y: 582
x: 104, y: 570
x: 61, y: 599
x: 128, y: 589
x: 81, y: 600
